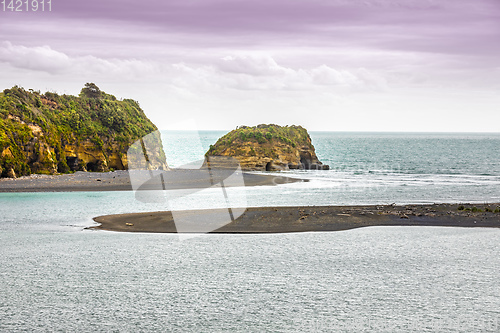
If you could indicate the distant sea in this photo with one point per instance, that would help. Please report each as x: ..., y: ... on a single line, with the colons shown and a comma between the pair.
x: 56, y: 276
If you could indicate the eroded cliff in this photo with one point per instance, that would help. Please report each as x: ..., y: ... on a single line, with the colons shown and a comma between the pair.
x: 51, y: 133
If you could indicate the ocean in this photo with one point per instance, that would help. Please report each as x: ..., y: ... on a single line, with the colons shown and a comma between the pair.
x: 57, y: 276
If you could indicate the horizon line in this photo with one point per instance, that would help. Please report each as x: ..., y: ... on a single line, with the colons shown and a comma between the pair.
x: 337, y: 131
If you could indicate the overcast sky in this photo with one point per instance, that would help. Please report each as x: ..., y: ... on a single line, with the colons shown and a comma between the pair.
x: 340, y: 65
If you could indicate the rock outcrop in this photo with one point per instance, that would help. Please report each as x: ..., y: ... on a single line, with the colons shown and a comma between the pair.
x: 268, y: 148
x: 50, y: 133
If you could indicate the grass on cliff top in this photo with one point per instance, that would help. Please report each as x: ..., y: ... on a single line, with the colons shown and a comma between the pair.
x: 293, y: 136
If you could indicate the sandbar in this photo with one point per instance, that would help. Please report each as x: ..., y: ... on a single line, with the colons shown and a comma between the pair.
x: 311, y: 218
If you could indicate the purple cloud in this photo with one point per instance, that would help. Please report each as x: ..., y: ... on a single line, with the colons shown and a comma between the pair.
x: 440, y: 26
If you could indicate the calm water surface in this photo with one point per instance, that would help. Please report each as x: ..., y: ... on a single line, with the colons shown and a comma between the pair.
x: 56, y: 276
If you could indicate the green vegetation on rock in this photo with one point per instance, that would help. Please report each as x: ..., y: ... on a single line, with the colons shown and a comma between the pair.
x: 39, y: 132
x: 268, y: 147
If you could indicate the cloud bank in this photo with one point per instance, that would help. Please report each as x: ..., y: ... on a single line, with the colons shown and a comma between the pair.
x: 372, y: 64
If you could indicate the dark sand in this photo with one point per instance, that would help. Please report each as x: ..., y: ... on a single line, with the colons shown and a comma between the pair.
x: 312, y: 218
x: 120, y: 181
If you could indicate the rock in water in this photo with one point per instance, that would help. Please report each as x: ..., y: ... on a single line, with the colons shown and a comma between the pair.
x: 50, y: 133
x: 268, y: 148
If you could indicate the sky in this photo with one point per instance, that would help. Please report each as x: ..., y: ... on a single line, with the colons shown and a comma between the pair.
x: 328, y: 65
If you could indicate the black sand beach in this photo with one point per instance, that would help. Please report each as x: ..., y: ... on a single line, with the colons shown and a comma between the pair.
x: 314, y: 218
x: 120, y: 181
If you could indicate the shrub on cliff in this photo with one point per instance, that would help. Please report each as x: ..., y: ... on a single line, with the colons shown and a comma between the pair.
x: 90, y: 90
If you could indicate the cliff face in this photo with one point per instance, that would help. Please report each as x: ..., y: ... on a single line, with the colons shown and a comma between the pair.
x: 50, y: 133
x: 268, y: 148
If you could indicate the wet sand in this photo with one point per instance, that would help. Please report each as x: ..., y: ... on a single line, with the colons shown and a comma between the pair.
x: 310, y: 218
x: 120, y: 181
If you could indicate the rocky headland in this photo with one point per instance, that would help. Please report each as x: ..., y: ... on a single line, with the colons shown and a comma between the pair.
x: 50, y: 133
x: 267, y: 148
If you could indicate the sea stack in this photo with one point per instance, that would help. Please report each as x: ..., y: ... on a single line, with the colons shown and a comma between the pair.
x: 268, y: 148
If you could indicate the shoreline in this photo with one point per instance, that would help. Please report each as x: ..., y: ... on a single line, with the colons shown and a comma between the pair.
x: 309, y: 218
x: 120, y: 181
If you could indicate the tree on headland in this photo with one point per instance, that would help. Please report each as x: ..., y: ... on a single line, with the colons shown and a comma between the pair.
x: 91, y: 90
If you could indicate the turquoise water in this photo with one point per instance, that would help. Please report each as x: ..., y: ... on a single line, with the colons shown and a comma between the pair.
x: 56, y: 276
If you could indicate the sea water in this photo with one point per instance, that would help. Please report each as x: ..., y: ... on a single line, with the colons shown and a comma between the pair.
x: 57, y: 276
x: 375, y: 168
